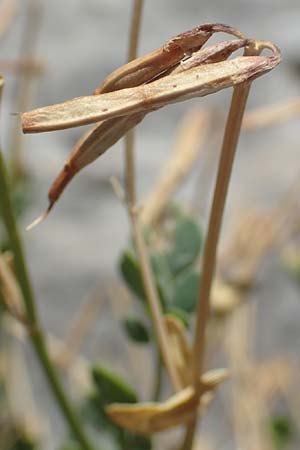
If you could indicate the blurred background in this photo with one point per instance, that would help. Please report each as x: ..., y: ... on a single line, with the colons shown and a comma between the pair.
x: 73, y: 254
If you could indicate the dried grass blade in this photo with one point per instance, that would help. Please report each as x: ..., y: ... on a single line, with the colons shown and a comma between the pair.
x: 10, y: 290
x: 189, y: 144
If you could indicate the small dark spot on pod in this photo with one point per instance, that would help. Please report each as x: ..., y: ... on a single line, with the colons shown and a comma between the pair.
x: 104, y: 109
x: 174, y: 85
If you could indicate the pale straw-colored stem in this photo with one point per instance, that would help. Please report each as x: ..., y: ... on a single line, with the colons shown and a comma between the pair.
x: 129, y: 138
x: 147, y: 276
x: 153, y: 299
x: 232, y: 131
x: 25, y: 85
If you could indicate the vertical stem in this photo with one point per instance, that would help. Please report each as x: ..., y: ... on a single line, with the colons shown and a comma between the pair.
x: 148, y: 280
x: 129, y: 138
x: 24, y: 83
x: 157, y: 382
x: 230, y: 140
x: 153, y: 300
x: 232, y: 132
x: 35, y: 332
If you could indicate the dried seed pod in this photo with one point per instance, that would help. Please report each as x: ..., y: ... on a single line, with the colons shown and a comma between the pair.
x: 145, y: 68
x: 205, y: 72
x: 196, y: 82
x: 149, y: 418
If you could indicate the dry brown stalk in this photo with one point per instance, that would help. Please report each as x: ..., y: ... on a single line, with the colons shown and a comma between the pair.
x: 81, y: 325
x: 10, y: 290
x: 149, y: 286
x: 78, y: 371
x: 249, y: 406
x: 153, y: 299
x: 238, y: 103
x: 129, y: 138
x: 190, y: 141
x: 32, y: 66
x: 24, y: 88
x: 136, y: 357
x: 8, y: 11
x: 21, y: 404
x: 254, y: 233
x: 231, y: 136
x: 269, y: 115
x: 252, y: 236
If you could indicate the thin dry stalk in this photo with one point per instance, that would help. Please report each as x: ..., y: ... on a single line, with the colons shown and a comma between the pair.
x: 24, y: 88
x: 248, y: 404
x: 190, y: 140
x: 153, y: 299
x: 251, y: 238
x: 129, y: 138
x: 10, y: 289
x: 8, y: 12
x: 231, y: 136
x: 21, y: 404
x: 149, y: 285
x: 271, y: 115
x: 78, y: 372
x: 81, y: 325
x: 232, y: 131
x: 31, y: 66
x: 137, y: 359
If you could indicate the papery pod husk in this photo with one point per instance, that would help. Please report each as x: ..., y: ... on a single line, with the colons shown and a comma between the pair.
x: 149, y: 418
x: 115, y: 108
x: 196, y: 82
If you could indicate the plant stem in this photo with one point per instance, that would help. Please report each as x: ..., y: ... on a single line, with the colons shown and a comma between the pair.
x: 25, y: 85
x: 230, y: 140
x: 157, y: 383
x: 148, y: 280
x: 153, y: 299
x: 129, y: 138
x: 34, y: 330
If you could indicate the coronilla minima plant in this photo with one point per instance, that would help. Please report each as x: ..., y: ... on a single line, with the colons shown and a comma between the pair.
x: 185, y: 67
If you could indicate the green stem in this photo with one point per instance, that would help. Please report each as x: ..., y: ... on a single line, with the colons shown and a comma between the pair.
x: 35, y: 332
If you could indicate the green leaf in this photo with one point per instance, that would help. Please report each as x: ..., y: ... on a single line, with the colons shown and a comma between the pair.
x: 136, y: 330
x: 23, y: 443
x: 186, y: 290
x: 187, y: 243
x: 111, y: 388
x: 282, y: 431
x: 131, y: 273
